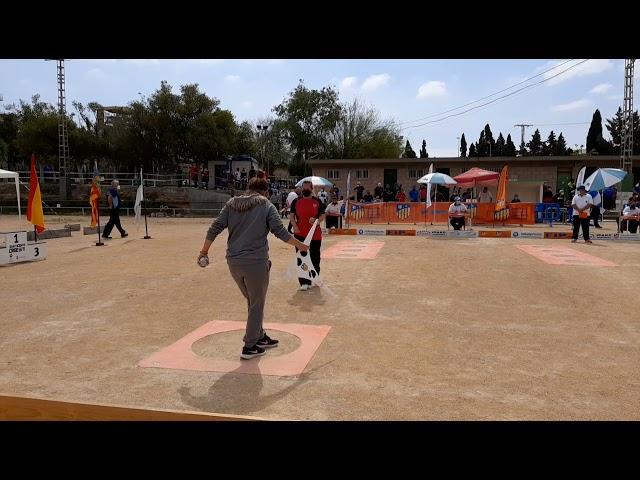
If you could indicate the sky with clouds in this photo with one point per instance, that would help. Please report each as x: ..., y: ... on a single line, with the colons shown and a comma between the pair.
x: 435, y: 100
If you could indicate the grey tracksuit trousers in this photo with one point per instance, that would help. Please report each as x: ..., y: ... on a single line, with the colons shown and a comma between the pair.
x: 253, y: 281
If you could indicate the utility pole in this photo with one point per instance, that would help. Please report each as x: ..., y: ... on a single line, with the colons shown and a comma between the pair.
x: 626, y: 147
x: 522, y: 127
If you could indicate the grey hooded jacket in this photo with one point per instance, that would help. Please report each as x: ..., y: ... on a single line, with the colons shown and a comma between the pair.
x: 249, y: 219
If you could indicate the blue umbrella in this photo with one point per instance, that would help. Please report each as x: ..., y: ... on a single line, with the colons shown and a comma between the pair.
x: 603, y: 178
x: 437, y: 179
x: 316, y: 181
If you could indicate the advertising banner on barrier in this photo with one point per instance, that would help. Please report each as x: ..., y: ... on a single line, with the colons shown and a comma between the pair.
x: 520, y: 234
x: 601, y: 236
x: 634, y: 237
x: 373, y: 232
x: 462, y: 233
x: 558, y: 235
x: 343, y: 231
x: 494, y: 233
x: 401, y: 233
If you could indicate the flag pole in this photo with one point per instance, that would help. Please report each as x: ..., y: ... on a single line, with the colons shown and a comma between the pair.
x: 99, y: 243
x: 35, y: 234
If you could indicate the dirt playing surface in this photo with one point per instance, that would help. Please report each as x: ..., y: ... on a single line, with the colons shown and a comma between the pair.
x: 428, y: 329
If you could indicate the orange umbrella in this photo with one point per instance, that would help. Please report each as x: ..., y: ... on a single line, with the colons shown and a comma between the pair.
x: 477, y: 177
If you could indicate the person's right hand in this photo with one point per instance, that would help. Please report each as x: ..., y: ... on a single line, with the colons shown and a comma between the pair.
x: 302, y: 247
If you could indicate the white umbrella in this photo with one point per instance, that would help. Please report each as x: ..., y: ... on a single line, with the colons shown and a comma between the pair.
x: 436, y: 179
x: 316, y: 181
x: 603, y: 178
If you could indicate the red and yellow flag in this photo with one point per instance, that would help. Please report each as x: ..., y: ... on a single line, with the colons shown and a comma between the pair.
x: 35, y: 214
x: 94, y: 198
x: 502, y: 211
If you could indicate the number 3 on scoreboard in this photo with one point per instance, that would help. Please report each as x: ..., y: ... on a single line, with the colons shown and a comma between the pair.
x: 37, y: 251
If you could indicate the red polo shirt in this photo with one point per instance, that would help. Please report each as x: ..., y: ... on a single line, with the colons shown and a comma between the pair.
x: 305, y: 208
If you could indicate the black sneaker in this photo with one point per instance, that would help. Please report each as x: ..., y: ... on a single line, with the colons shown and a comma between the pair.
x: 266, y: 342
x: 255, y: 351
x: 125, y: 235
x: 107, y: 238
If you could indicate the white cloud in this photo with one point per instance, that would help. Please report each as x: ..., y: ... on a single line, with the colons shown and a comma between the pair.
x: 590, y: 67
x: 95, y: 74
x: 615, y: 97
x: 432, y: 89
x: 602, y: 88
x: 575, y: 105
x: 143, y: 61
x: 246, y: 104
x: 348, y: 83
x: 375, y: 81
x: 232, y: 79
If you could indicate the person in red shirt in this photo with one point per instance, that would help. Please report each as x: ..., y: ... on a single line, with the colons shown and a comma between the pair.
x: 304, y: 212
x: 423, y: 193
x: 400, y: 196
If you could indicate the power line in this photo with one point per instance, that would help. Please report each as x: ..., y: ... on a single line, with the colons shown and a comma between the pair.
x: 488, y: 96
x: 499, y: 98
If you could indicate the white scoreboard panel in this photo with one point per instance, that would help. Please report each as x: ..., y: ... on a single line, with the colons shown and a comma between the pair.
x: 16, y: 249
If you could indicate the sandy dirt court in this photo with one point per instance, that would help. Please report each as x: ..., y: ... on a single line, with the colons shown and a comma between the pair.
x: 426, y: 329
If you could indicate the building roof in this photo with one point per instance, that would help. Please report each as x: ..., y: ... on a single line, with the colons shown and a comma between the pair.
x: 478, y: 160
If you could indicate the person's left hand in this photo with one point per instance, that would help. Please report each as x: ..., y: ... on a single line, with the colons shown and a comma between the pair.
x: 312, y: 221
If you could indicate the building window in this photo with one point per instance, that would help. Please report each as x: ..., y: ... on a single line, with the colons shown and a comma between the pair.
x: 416, y: 173
x: 362, y: 174
x: 333, y: 174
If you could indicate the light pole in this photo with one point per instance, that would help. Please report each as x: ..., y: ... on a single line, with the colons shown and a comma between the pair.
x: 263, y: 131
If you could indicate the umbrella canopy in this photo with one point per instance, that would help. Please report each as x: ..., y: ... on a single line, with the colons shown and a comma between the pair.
x: 477, y: 177
x: 316, y: 181
x: 603, y: 178
x: 437, y: 179
x: 16, y: 179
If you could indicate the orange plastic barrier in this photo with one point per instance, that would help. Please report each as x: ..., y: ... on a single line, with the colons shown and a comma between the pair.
x: 417, y: 213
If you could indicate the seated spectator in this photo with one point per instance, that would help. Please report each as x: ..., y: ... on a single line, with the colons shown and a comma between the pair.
x: 631, y: 210
x: 485, y: 196
x: 423, y: 193
x: 368, y: 198
x: 387, y: 195
x: 515, y: 198
x: 401, y: 196
x: 457, y: 213
x: 332, y: 219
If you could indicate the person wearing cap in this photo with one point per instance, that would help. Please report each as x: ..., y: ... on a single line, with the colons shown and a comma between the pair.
x: 581, y: 204
x: 457, y: 212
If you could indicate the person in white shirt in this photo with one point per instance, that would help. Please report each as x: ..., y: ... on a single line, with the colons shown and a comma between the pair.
x: 323, y: 196
x: 595, y: 210
x: 581, y: 204
x: 332, y: 214
x: 485, y: 196
x: 457, y: 212
x: 630, y: 210
x: 293, y: 194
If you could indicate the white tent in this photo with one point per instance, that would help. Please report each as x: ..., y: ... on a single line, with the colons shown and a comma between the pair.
x: 14, y: 175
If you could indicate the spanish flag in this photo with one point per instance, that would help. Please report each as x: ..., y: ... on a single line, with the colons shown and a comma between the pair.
x: 94, y: 198
x: 501, y: 209
x: 35, y: 215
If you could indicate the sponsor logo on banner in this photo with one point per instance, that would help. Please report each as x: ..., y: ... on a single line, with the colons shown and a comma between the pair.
x: 365, y: 231
x: 403, y: 211
x: 343, y: 231
x: 524, y: 235
x: 438, y: 233
x: 402, y: 233
x: 357, y: 211
x: 462, y: 233
x: 627, y: 236
x: 423, y: 233
x: 495, y: 233
x: 601, y: 236
x: 558, y: 235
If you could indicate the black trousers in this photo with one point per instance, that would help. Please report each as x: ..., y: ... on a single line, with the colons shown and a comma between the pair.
x: 314, y: 254
x: 114, y: 220
x: 577, y: 221
x: 457, y: 223
x: 631, y: 225
x: 332, y: 221
x: 595, y: 215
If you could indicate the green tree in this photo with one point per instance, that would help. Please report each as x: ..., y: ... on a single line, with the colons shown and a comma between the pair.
x: 561, y: 146
x: 535, y: 145
x: 463, y: 146
x: 509, y: 148
x: 614, y: 126
x: 500, y: 147
x: 472, y: 150
x: 550, y: 146
x: 423, y: 150
x: 408, y: 151
x: 595, y: 142
x: 308, y: 116
x: 482, y: 149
